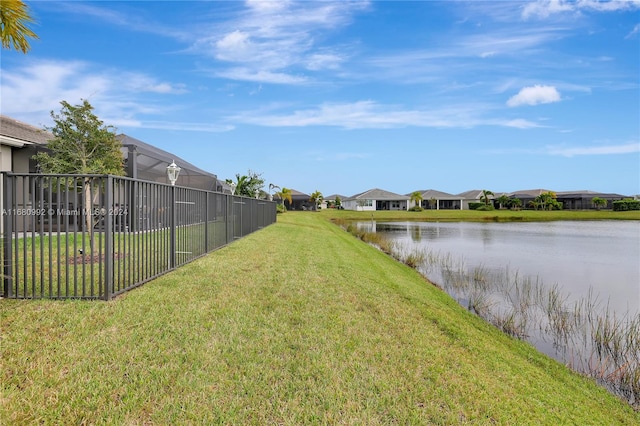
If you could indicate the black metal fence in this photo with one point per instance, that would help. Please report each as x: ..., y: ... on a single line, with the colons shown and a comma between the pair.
x: 96, y: 236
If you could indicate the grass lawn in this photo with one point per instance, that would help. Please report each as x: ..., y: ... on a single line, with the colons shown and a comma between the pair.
x: 299, y: 323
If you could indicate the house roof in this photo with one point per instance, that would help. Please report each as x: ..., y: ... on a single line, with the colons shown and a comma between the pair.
x: 297, y: 195
x: 428, y: 194
x: 587, y: 194
x: 377, y: 194
x: 529, y: 193
x: 333, y: 197
x: 473, y: 194
x: 16, y: 133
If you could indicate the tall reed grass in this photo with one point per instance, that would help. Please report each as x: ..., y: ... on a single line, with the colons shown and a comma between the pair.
x: 591, y: 339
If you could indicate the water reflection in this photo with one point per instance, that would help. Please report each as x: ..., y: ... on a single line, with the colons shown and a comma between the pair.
x: 603, y: 255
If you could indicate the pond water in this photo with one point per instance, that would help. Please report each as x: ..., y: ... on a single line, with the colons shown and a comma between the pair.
x: 572, y: 289
x: 575, y: 255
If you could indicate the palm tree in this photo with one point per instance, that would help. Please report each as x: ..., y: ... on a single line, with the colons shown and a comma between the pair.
x: 316, y: 198
x: 485, y: 197
x: 14, y: 17
x: 503, y: 200
x: 284, y: 194
x: 416, y: 197
x: 547, y: 201
x: 515, y: 203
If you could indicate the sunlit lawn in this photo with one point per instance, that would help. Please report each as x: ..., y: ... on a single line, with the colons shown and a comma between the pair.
x: 299, y: 323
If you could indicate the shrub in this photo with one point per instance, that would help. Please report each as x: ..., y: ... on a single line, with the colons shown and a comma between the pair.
x: 475, y: 206
x: 280, y: 208
x: 485, y: 208
x: 627, y: 204
x: 416, y: 209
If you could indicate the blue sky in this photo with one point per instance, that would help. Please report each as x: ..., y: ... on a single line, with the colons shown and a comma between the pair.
x: 347, y: 96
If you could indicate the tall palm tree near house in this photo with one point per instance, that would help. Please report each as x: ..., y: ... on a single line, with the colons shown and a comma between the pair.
x: 416, y: 198
x: 485, y: 197
x: 316, y: 198
x: 284, y: 194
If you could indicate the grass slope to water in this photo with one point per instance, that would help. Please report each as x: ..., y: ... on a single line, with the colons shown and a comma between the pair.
x: 299, y: 323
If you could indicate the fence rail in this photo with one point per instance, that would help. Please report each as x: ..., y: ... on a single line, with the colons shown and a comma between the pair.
x: 97, y: 236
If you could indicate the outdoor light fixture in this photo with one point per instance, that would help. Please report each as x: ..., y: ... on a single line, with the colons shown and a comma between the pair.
x: 172, y: 172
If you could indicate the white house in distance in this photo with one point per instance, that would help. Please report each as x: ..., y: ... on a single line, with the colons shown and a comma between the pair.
x: 376, y: 199
x: 436, y: 200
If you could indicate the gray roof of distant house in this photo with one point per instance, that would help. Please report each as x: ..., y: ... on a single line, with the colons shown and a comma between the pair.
x: 377, y: 194
x: 297, y: 195
x: 473, y: 194
x: 428, y: 194
x: 14, y: 132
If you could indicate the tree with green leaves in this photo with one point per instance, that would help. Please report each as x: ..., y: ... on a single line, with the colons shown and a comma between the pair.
x: 247, y: 185
x: 515, y: 203
x: 82, y: 145
x: 316, y: 198
x: 416, y: 198
x: 284, y: 194
x: 599, y: 202
x: 338, y: 202
x: 547, y: 201
x: 14, y: 20
x: 503, y: 201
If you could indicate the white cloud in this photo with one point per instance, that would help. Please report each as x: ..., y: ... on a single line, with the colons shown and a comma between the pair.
x: 120, y: 97
x: 372, y: 115
x: 535, y: 95
x: 261, y: 76
x: 545, y: 8
x: 633, y: 32
x: 270, y: 38
x: 628, y: 148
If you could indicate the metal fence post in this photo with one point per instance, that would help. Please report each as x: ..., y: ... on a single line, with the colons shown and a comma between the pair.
x: 172, y: 229
x: 7, y: 217
x: 108, y: 244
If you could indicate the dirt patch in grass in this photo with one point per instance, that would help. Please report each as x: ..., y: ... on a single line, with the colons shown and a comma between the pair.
x: 96, y: 258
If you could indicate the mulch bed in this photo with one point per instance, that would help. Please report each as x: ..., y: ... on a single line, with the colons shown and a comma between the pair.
x: 89, y: 259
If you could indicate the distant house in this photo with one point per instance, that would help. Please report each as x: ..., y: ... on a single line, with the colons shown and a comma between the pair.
x: 299, y: 201
x: 330, y: 200
x: 472, y: 196
x: 376, y: 199
x: 18, y: 143
x: 437, y: 200
x: 582, y: 200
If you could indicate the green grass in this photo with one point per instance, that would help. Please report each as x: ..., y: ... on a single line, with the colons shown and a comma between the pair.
x: 300, y: 323
x: 44, y: 266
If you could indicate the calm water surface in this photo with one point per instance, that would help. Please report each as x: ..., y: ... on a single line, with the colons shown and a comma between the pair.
x: 604, y: 255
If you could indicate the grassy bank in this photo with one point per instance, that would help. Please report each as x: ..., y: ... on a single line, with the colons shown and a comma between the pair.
x: 481, y: 216
x: 300, y: 323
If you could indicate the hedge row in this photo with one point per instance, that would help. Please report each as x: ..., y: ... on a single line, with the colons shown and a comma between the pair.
x: 624, y: 205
